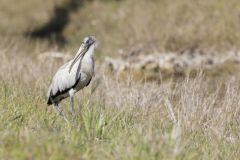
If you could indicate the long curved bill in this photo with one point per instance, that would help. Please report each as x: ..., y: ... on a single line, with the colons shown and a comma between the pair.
x: 79, y: 55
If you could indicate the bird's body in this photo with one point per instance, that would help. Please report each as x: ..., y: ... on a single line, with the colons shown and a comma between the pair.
x: 73, y: 76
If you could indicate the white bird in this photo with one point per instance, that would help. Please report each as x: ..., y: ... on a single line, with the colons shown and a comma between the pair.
x: 73, y: 76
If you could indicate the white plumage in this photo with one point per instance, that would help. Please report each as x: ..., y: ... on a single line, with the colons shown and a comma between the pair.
x: 73, y: 76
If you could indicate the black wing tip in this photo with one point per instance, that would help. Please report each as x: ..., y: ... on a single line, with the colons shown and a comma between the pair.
x: 49, y: 102
x: 49, y: 99
x: 89, y: 82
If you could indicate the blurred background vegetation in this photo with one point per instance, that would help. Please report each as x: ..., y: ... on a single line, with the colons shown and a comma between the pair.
x: 152, y: 25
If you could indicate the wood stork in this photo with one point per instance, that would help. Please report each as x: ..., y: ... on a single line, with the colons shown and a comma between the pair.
x: 73, y: 76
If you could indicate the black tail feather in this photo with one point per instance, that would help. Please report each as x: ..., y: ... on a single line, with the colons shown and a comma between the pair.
x: 49, y: 102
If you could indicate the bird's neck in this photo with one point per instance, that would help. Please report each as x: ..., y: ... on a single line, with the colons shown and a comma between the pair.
x: 87, y: 63
x: 88, y: 57
x: 90, y: 52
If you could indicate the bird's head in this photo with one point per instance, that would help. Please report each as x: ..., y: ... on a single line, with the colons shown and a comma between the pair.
x: 86, y: 44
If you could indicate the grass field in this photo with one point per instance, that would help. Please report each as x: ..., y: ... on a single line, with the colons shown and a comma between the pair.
x: 187, y: 118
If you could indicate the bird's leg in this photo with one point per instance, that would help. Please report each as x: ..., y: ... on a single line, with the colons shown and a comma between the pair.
x: 71, y: 93
x: 72, y: 105
x: 58, y: 108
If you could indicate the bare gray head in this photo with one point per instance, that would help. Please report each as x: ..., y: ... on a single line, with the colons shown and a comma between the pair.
x: 86, y: 43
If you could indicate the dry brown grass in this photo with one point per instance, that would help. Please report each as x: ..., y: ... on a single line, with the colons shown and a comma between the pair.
x: 161, y: 25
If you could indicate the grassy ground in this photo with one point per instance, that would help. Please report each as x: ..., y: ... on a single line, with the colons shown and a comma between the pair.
x: 187, y: 119
x: 191, y: 118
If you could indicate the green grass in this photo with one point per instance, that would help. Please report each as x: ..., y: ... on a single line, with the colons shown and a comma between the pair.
x: 102, y: 131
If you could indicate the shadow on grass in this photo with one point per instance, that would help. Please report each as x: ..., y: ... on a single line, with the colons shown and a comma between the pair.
x: 53, y: 29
